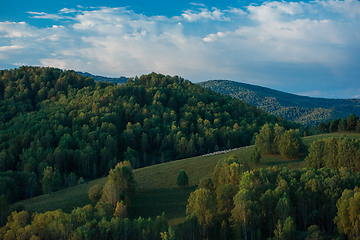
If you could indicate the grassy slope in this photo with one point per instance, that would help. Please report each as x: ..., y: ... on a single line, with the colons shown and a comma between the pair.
x: 156, y: 189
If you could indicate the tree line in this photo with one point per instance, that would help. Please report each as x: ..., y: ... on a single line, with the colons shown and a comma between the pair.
x: 275, y: 203
x: 346, y: 124
x: 335, y: 153
x: 82, y: 129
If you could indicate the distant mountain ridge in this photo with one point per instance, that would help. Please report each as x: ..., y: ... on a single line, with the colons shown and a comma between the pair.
x: 116, y: 81
x: 301, y: 109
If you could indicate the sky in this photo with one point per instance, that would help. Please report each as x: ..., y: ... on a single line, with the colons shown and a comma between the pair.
x: 310, y: 48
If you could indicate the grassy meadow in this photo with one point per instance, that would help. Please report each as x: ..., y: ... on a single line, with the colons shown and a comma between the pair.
x: 156, y: 190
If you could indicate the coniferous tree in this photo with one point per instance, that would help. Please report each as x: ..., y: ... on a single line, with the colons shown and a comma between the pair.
x: 182, y: 179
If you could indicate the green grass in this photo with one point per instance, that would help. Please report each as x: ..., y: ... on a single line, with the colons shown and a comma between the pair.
x: 65, y: 199
x: 156, y: 190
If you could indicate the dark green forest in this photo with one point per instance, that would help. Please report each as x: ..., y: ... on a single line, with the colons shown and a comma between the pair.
x: 59, y: 128
x: 82, y: 129
x: 301, y: 109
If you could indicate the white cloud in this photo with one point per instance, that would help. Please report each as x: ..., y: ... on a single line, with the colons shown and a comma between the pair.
x: 204, y: 13
x: 7, y: 48
x: 314, y: 93
x: 16, y: 30
x: 198, y: 4
x: 236, y: 10
x: 46, y: 15
x: 68, y: 10
x: 255, y: 43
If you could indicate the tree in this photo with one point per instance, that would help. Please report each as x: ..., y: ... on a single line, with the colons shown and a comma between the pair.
x: 120, y: 184
x: 343, y: 125
x: 183, y: 179
x: 334, y: 125
x: 49, y: 180
x: 289, y: 229
x: 120, y: 210
x: 290, y: 144
x: 95, y: 193
x: 131, y: 156
x: 255, y: 156
x: 327, y: 126
x: 278, y: 132
x: 264, y: 141
x: 227, y: 171
x: 321, y: 128
x: 201, y: 203
x: 283, y: 207
x: 316, y: 154
x: 245, y: 213
x: 348, y: 215
x: 351, y: 122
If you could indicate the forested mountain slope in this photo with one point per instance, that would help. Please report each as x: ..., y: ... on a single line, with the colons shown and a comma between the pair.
x: 305, y: 110
x: 60, y: 119
x: 116, y: 81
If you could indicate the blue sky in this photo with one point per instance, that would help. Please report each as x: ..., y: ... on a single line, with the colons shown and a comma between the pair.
x: 310, y: 48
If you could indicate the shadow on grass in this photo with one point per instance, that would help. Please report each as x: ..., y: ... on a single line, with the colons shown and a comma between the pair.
x: 153, y: 203
x: 284, y: 162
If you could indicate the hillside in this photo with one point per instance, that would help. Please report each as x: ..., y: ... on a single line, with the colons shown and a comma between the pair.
x: 115, y: 81
x: 301, y: 109
x: 74, y: 127
x: 161, y: 193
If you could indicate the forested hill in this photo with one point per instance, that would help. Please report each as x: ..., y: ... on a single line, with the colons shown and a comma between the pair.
x: 116, y: 81
x: 60, y: 119
x: 305, y: 110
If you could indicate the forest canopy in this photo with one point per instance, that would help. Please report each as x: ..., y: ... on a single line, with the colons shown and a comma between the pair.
x: 59, y: 119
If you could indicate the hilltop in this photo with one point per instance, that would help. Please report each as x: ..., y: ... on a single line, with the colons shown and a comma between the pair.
x: 301, y: 109
x: 115, y: 81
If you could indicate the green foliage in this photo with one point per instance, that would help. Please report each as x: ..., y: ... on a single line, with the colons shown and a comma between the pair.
x: 313, y: 194
x: 202, y: 203
x: 335, y: 153
x: 120, y: 210
x: 321, y: 127
x: 274, y: 139
x: 265, y: 140
x: 182, y: 180
x: 290, y: 145
x: 120, y: 185
x: 82, y: 223
x: 255, y: 157
x: 348, y: 214
x: 63, y: 120
x: 95, y: 193
x: 49, y: 180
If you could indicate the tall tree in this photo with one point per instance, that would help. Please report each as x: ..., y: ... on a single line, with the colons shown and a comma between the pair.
x: 244, y: 215
x: 264, y: 141
x: 120, y: 185
x: 290, y: 144
x: 201, y: 203
x: 49, y: 180
x: 321, y: 128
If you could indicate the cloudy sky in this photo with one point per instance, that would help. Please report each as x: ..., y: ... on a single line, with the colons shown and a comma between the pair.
x: 310, y: 48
